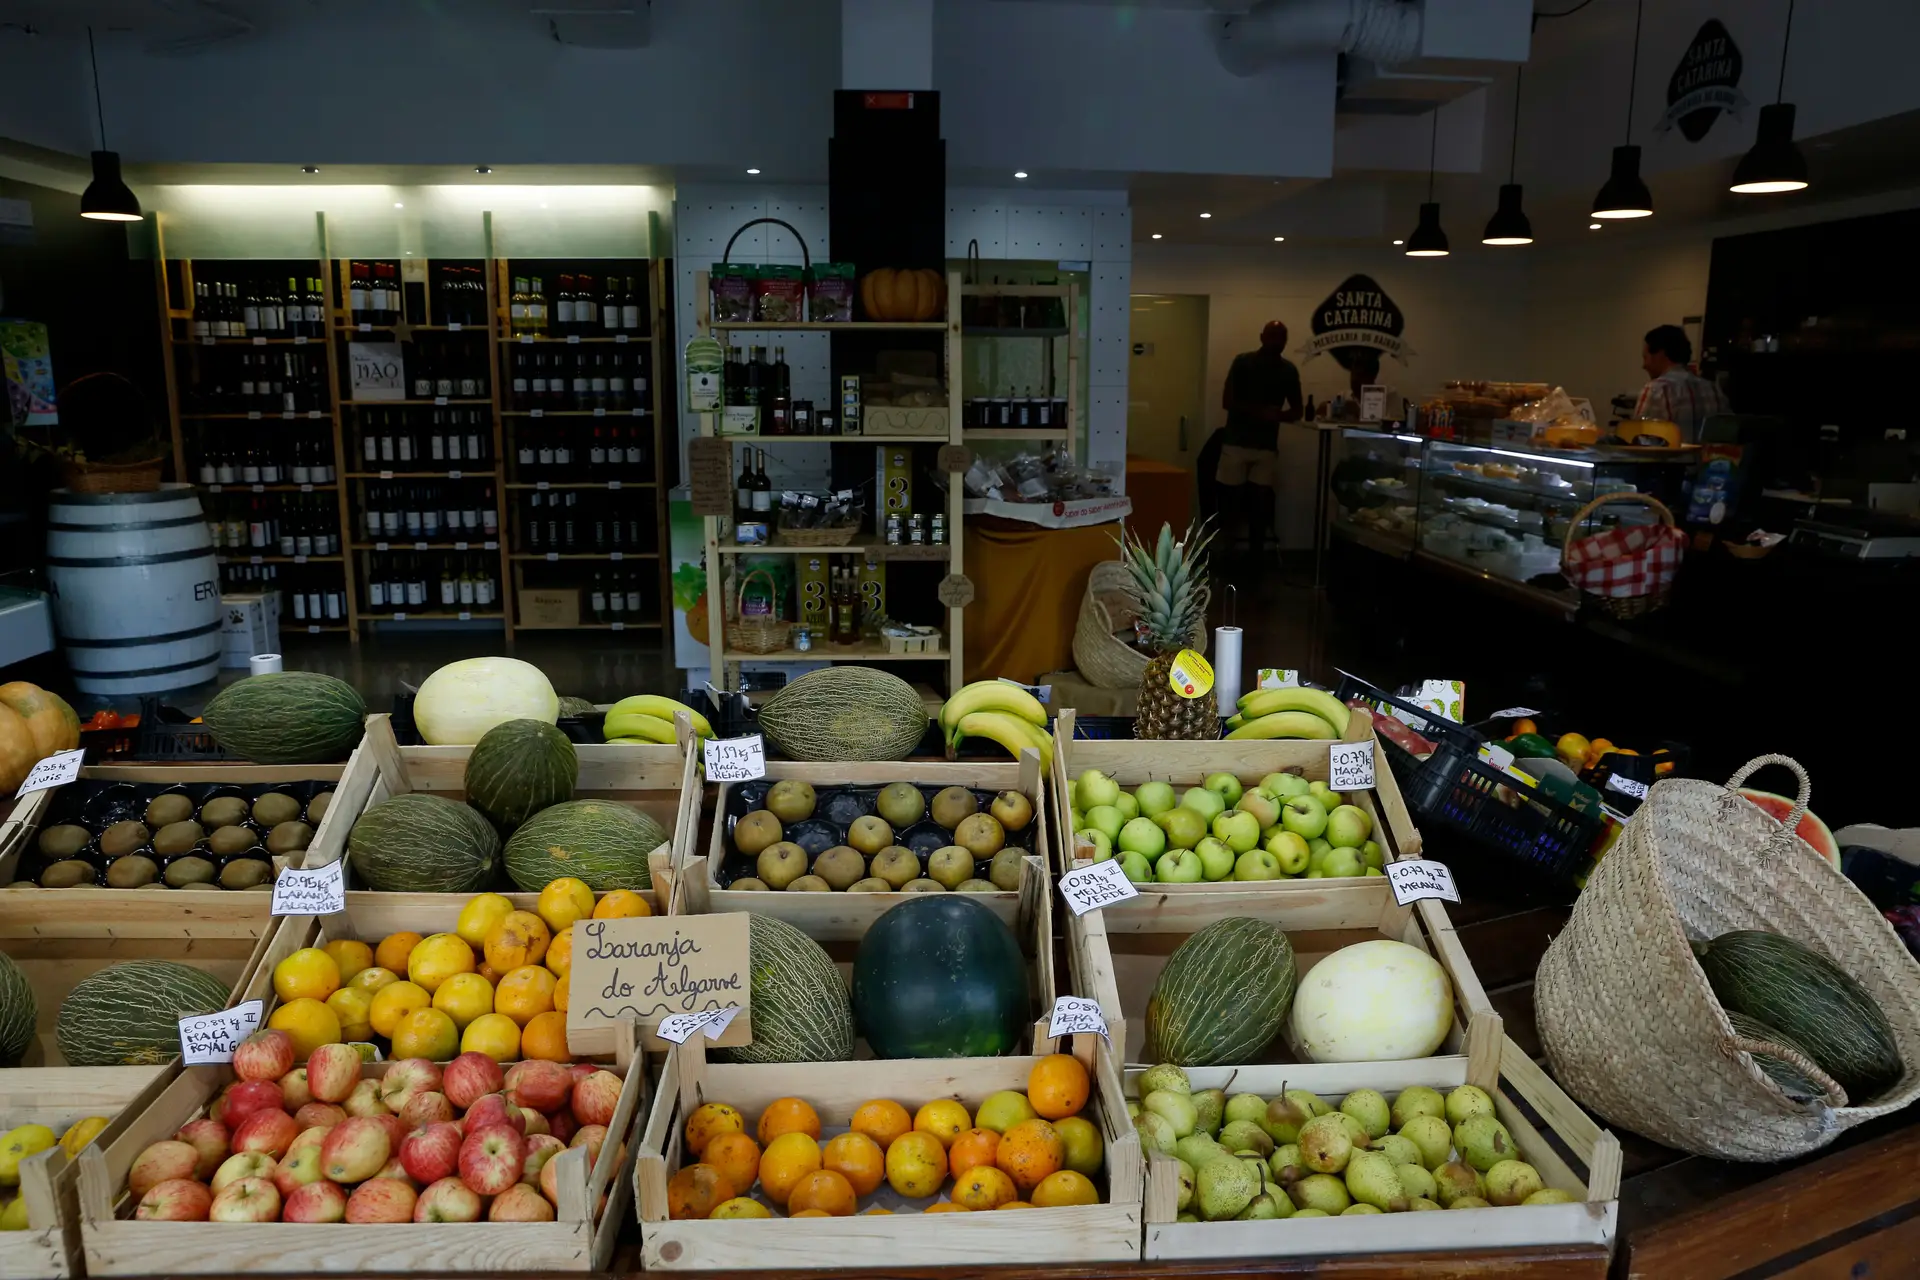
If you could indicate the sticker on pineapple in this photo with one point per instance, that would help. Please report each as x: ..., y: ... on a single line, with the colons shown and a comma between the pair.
x: 1191, y: 675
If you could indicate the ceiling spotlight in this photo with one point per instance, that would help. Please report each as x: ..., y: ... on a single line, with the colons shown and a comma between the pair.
x: 483, y: 168
x: 1206, y: 215
x: 1399, y: 241
x: 1156, y: 235
x: 1594, y: 226
x: 753, y: 171
x: 1019, y: 173
x: 1279, y: 239
x: 309, y: 168
x: 398, y: 205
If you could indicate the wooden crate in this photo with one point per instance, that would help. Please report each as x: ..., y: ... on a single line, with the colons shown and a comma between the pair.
x: 1107, y: 1232
x: 1590, y: 1220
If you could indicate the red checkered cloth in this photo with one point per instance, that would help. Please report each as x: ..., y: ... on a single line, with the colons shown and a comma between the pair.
x: 1627, y: 560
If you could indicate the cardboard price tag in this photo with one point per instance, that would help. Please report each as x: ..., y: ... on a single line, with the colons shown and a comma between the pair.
x: 57, y: 770
x: 955, y: 591
x: 735, y: 759
x: 1627, y: 786
x: 210, y: 1038
x: 1350, y: 766
x: 1100, y: 885
x: 646, y: 969
x: 682, y: 1027
x: 1076, y: 1015
x: 319, y: 892
x: 1419, y: 879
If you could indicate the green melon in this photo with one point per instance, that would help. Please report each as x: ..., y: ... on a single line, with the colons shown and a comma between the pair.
x: 421, y: 843
x: 19, y: 1012
x: 518, y: 768
x: 289, y: 717
x: 128, y: 1014
x: 1223, y: 996
x: 575, y: 707
x: 799, y: 1002
x: 599, y: 841
x: 845, y: 713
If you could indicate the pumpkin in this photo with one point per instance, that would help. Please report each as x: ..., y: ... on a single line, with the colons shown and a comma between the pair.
x: 18, y: 754
x: 52, y: 722
x: 905, y: 293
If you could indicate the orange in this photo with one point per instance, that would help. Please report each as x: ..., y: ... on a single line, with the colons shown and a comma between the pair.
x: 438, y: 958
x: 352, y: 1005
x: 545, y: 1037
x: 708, y: 1121
x: 945, y: 1206
x: 788, y: 1115
x: 882, y: 1120
x: 494, y: 1034
x: 1029, y: 1151
x: 736, y: 1155
x: 372, y: 978
x: 487, y: 971
x: 464, y: 997
x: 559, y: 957
x: 393, y: 1002
x: 524, y: 993
x: 1521, y: 726
x: 308, y: 973
x: 823, y: 1189
x: 563, y: 901
x: 787, y: 1159
x: 1058, y: 1086
x: 971, y: 1149
x: 1062, y: 1188
x: 858, y: 1159
x: 560, y: 994
x: 944, y: 1118
x: 696, y: 1191
x: 1003, y: 1109
x: 983, y: 1188
x: 622, y: 904
x: 426, y: 1033
x: 740, y: 1207
x: 351, y: 955
x: 309, y: 1022
x: 394, y: 949
x: 520, y: 938
x: 1085, y: 1150
x: 477, y: 918
x: 916, y: 1164
x: 811, y: 1213
x: 1015, y: 1204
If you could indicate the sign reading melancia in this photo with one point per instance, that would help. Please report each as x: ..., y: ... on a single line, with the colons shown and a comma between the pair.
x: 1357, y: 315
x: 1706, y: 82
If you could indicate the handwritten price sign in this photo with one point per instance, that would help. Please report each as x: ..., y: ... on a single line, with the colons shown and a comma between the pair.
x: 57, y: 770
x: 319, y: 892
x: 735, y: 759
x: 1076, y: 1015
x: 1100, y: 885
x: 1627, y: 786
x: 210, y: 1038
x: 1350, y: 766
x: 682, y: 1027
x: 1419, y: 879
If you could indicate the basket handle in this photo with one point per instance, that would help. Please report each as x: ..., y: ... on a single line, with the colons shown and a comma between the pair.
x: 1836, y: 1096
x: 1645, y: 499
x: 740, y: 595
x: 805, y: 257
x: 1801, y: 796
x: 973, y: 262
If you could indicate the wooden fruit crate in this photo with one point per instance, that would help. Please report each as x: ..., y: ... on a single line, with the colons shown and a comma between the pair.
x: 1107, y: 1232
x: 1511, y: 1080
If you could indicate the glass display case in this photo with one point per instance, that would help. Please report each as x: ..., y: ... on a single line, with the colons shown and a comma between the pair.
x: 1376, y: 488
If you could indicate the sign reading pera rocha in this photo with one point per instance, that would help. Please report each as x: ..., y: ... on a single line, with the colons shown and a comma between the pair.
x: 646, y: 968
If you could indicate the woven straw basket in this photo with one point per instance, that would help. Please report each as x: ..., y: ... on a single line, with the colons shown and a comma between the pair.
x: 1105, y: 661
x: 1631, y: 1026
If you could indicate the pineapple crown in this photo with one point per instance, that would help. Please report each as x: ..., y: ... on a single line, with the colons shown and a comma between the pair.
x: 1168, y: 584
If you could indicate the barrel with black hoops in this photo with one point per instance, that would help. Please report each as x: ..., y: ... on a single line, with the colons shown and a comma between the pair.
x: 136, y: 589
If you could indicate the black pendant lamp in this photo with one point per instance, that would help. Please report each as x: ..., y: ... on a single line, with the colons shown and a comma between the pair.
x: 1774, y: 164
x: 107, y: 197
x: 1428, y: 240
x: 1509, y: 224
x: 1625, y: 195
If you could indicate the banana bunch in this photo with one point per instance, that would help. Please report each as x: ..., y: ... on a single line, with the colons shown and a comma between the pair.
x: 1288, y: 713
x: 1002, y: 712
x: 648, y: 717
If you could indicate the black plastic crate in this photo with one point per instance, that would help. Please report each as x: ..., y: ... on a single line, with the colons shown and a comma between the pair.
x: 1642, y: 768
x: 164, y: 733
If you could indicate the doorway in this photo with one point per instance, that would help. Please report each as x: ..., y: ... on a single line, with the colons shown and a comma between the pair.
x: 1167, y: 378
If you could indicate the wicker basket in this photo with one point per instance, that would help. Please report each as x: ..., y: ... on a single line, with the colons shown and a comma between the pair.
x: 112, y: 477
x: 1105, y: 661
x: 1626, y: 1014
x: 757, y: 635
x: 1620, y: 606
x: 841, y: 537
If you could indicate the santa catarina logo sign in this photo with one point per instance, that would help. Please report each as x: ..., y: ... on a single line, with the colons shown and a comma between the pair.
x: 1357, y: 314
x: 1706, y: 82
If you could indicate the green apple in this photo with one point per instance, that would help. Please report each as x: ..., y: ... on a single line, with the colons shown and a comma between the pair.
x: 1104, y: 817
x: 1256, y: 864
x: 1373, y: 871
x: 1302, y: 815
x: 1319, y: 847
x: 1154, y: 798
x: 1102, y: 847
x: 1269, y: 832
x: 1372, y: 854
x: 1137, y: 868
x: 1203, y: 800
x: 1177, y: 1108
x: 1142, y: 837
x: 1079, y: 818
x: 1094, y: 789
x: 1185, y: 827
x: 1325, y: 794
x: 1289, y: 851
x: 1216, y: 859
x: 1264, y: 808
x: 1129, y: 807
x: 1341, y: 862
x: 1240, y: 830
x: 1282, y: 786
x: 1348, y: 827
x: 1178, y: 866
x: 1225, y: 785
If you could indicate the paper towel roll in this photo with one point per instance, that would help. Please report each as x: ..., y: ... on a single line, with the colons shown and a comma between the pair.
x: 266, y: 664
x: 1226, y: 669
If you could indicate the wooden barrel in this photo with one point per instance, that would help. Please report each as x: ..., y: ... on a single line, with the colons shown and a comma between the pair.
x: 136, y: 591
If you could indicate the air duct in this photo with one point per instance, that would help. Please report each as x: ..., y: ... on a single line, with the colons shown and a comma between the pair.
x: 1269, y: 31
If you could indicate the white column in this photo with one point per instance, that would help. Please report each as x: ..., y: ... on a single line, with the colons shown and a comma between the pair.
x: 886, y: 44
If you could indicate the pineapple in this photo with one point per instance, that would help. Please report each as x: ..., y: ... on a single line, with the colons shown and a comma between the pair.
x: 1169, y: 589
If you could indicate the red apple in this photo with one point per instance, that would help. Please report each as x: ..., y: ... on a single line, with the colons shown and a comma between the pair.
x: 595, y: 1097
x: 432, y: 1153
x: 591, y: 1136
x: 493, y: 1109
x: 270, y: 1131
x: 311, y: 1137
x: 354, y: 1150
x: 332, y: 1072
x: 175, y: 1200
x: 321, y: 1201
x: 365, y: 1100
x: 218, y: 1110
x: 447, y: 1200
x: 520, y: 1203
x: 294, y: 1086
x: 211, y: 1139
x: 533, y: 1122
x: 538, y: 1083
x: 248, y: 1200
x: 423, y: 1109
x: 319, y: 1115
x: 264, y: 1055
x: 381, y: 1200
x: 250, y: 1096
x: 396, y: 1129
x: 581, y: 1070
x: 561, y: 1124
x: 469, y: 1077
x: 394, y: 1169
x: 243, y: 1165
x: 405, y: 1079
x: 540, y: 1149
x: 491, y: 1157
x: 298, y: 1168
x: 550, y: 1180
x: 162, y: 1162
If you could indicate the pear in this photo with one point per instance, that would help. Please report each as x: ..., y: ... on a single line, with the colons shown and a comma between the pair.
x: 1469, y: 1202
x: 1311, y: 1213
x: 1353, y: 1209
x: 1281, y: 1200
x: 1421, y: 1202
x: 1197, y: 1148
x: 1284, y: 1119
x: 1176, y: 1108
x: 1416, y: 1181
x: 1307, y: 1101
x: 1156, y: 1132
x: 1165, y: 1076
x: 1512, y: 1181
x: 1185, y: 1195
x: 1467, y: 1100
x: 1222, y: 1188
x: 1370, y: 1109
x: 1356, y: 1132
x: 1285, y: 1165
x: 1417, y: 1101
x: 1549, y: 1195
x: 1325, y: 1144
x: 1188, y: 1217
x: 1321, y: 1192
x: 1483, y: 1141
x: 1246, y: 1106
x: 1433, y: 1136
x: 1261, y: 1206
x: 1210, y: 1108
x: 1245, y: 1135
x: 1453, y: 1180
x: 1401, y: 1150
x: 1373, y: 1179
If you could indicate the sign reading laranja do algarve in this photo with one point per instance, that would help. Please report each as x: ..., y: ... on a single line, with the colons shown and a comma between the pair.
x: 647, y: 968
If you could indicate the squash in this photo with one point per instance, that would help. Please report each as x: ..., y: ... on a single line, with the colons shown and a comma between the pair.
x: 52, y: 722
x: 904, y: 293
x: 18, y: 751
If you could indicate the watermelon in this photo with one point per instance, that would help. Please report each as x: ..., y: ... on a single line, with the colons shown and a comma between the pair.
x: 420, y: 843
x: 19, y: 1012
x: 128, y: 1014
x: 602, y: 842
x: 289, y: 717
x: 1811, y: 829
x: 1814, y: 1003
x: 940, y: 977
x: 1223, y: 995
x: 799, y: 1001
x: 845, y: 713
x: 518, y: 768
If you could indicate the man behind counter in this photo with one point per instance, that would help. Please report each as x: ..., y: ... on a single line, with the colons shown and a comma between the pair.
x: 1676, y: 394
x: 1262, y: 391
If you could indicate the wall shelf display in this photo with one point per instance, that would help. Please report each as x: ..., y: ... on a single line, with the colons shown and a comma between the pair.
x: 1016, y: 392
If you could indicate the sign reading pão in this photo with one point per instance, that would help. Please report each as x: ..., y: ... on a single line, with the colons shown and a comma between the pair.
x: 647, y: 968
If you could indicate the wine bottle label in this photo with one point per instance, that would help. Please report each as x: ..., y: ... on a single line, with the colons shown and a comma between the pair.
x: 633, y: 455
x: 599, y: 601
x: 473, y: 448
x: 357, y: 299
x: 313, y: 313
x: 599, y: 386
x: 416, y: 593
x: 629, y: 317
x: 526, y: 455
x: 449, y: 591
x: 483, y: 592
x: 300, y: 606
x: 466, y: 591
x: 563, y: 313
x: 251, y: 318
x: 519, y: 385
x: 517, y: 311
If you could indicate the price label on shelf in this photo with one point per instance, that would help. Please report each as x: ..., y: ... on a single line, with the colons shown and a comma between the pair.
x: 490, y: 546
x: 1076, y: 1016
x: 287, y: 415
x: 455, y: 475
x: 399, y: 617
x: 300, y: 341
x: 616, y: 626
x: 258, y: 488
x: 319, y: 892
x: 1419, y: 879
x: 256, y: 560
x: 216, y: 488
x: 1627, y: 786
x: 536, y: 413
x: 315, y: 415
x: 259, y: 341
x: 459, y: 546
x: 637, y: 411
x: 306, y: 488
x: 526, y: 339
x: 599, y: 412
x: 620, y: 338
x: 454, y: 328
x: 735, y: 759
x: 1093, y: 887
x: 206, y: 342
x: 57, y: 770
x: 365, y: 328
x: 573, y: 339
x: 253, y: 415
x: 682, y: 1027
x: 542, y: 485
x: 439, y: 400
x: 553, y: 557
x: 386, y: 475
x: 616, y: 555
x: 1350, y: 766
x: 299, y: 559
x: 613, y: 484
x: 419, y: 546
x: 313, y: 630
x: 380, y: 546
x: 208, y: 1039
x: 466, y: 615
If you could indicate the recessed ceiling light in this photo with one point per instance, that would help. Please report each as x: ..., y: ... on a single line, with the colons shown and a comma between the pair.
x: 309, y: 168
x: 483, y: 168
x: 1279, y: 239
x: 1206, y: 215
x: 1019, y: 173
x: 1593, y: 226
x: 398, y: 205
x: 1156, y: 235
x: 1399, y: 241
x: 753, y: 171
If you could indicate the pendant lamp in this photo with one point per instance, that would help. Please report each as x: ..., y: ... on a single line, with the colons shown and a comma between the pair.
x: 1774, y: 164
x: 1625, y: 195
x: 1428, y: 240
x: 107, y: 197
x: 1509, y: 224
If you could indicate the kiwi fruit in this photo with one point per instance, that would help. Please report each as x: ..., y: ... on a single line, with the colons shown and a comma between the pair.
x: 124, y: 837
x: 245, y: 873
x: 132, y: 872
x: 177, y: 838
x: 172, y: 807
x: 952, y: 804
x: 65, y: 875
x: 186, y: 873
x: 274, y: 808
x: 227, y: 841
x: 64, y: 840
x: 289, y: 837
x: 223, y: 811
x: 317, y: 807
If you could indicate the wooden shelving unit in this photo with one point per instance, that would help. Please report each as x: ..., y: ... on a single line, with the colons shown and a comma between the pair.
x: 1069, y: 296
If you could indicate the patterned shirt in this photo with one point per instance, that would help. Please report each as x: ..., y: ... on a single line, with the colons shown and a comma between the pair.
x: 1683, y: 398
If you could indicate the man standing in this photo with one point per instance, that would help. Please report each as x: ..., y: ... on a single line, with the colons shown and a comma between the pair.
x: 1676, y: 394
x: 1262, y: 391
